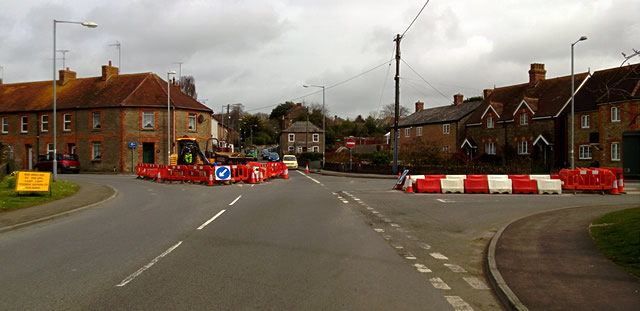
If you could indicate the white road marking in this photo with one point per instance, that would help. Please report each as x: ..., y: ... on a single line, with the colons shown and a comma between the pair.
x: 345, y: 201
x: 210, y: 220
x: 411, y: 237
x: 476, y: 283
x: 455, y: 268
x: 397, y: 246
x: 395, y: 225
x: 378, y: 230
x: 356, y: 199
x: 424, y: 245
x: 410, y: 256
x: 386, y: 237
x: 147, y: 266
x: 443, y: 201
x: 439, y: 284
x: 458, y: 304
x: 236, y: 200
x: 439, y: 256
x: 375, y: 212
x: 387, y: 220
x: 369, y: 207
x: 422, y: 268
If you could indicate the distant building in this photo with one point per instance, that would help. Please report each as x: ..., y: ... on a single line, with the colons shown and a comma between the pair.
x: 301, y: 136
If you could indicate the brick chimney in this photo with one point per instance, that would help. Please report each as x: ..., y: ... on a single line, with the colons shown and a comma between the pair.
x: 298, y: 105
x: 536, y: 74
x: 66, y: 76
x: 419, y: 106
x: 486, y: 93
x: 0, y: 81
x: 458, y: 99
x: 108, y: 71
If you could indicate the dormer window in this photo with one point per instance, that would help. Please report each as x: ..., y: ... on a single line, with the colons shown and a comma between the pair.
x: 524, y: 119
x: 489, y: 122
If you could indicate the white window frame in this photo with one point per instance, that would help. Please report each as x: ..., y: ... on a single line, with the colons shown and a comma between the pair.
x: 446, y: 129
x: 66, y: 122
x: 615, y: 114
x: 615, y: 151
x: 50, y: 148
x: 585, y: 121
x: 524, y: 119
x: 419, y: 131
x: 145, y: 116
x: 407, y: 132
x: 5, y: 125
x: 316, y: 149
x: 193, y: 124
x: 96, y: 151
x: 96, y: 125
x: 490, y: 148
x: 490, y: 123
x: 585, y: 152
x: 24, y: 124
x: 316, y: 138
x: 445, y: 149
x: 299, y: 149
x: 292, y: 138
x: 44, y: 124
x: 292, y: 148
x: 523, y: 147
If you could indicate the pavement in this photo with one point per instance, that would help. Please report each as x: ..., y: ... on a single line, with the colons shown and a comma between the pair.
x: 540, y: 262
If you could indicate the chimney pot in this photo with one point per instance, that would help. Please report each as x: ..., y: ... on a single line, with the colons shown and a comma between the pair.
x: 109, y: 63
x: 458, y: 99
x: 419, y: 106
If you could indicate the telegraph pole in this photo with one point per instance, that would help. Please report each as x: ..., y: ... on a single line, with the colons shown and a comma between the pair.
x: 396, y: 134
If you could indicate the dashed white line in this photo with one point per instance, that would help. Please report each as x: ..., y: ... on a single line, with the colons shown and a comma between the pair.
x: 422, y: 268
x: 236, y: 200
x: 439, y: 256
x: 458, y: 304
x: 424, y: 245
x: 439, y: 284
x: 375, y: 212
x: 378, y: 230
x: 455, y: 268
x: 395, y: 225
x: 147, y: 266
x: 210, y: 220
x: 476, y: 283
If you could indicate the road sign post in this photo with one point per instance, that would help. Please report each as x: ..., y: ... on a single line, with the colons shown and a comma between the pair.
x: 132, y: 145
x: 350, y: 144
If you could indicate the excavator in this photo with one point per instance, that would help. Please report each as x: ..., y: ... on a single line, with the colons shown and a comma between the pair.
x: 216, y: 153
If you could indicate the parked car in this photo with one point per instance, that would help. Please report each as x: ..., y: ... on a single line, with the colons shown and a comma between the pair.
x: 265, y: 153
x: 290, y: 161
x: 65, y: 163
x: 253, y: 153
x: 274, y: 157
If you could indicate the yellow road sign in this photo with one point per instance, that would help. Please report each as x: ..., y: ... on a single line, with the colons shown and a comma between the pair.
x: 33, y: 182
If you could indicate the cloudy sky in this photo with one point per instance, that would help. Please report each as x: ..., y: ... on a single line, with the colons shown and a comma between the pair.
x: 260, y: 52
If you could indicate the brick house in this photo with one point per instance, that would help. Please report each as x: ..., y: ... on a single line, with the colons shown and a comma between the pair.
x: 442, y: 126
x: 607, y: 121
x: 97, y: 118
x: 524, y: 120
x: 301, y: 136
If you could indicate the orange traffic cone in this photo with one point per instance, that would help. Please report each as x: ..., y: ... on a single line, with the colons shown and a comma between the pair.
x: 211, y: 179
x: 621, y: 184
x: 159, y: 179
x: 286, y: 173
x: 614, y: 190
x: 306, y: 170
x: 410, y: 186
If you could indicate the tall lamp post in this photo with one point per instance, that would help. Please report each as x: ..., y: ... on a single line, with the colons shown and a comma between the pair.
x: 324, y: 133
x: 55, y: 138
x: 169, y: 73
x: 573, y: 166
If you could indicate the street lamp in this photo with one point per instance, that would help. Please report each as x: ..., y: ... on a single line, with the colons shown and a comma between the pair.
x: 573, y: 166
x: 324, y: 133
x: 55, y: 141
x: 169, y: 73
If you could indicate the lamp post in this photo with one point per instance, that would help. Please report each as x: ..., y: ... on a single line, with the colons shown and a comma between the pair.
x: 324, y: 133
x: 55, y: 138
x: 573, y: 166
x: 169, y: 73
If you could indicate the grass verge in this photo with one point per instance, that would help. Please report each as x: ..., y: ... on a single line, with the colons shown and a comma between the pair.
x: 617, y: 235
x: 10, y: 200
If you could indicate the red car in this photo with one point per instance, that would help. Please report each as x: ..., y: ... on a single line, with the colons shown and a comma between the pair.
x: 65, y: 163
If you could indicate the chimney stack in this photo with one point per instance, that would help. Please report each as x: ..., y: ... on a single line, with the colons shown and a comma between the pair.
x: 486, y: 93
x: 458, y: 99
x: 298, y: 105
x: 108, y: 71
x: 536, y: 74
x: 66, y: 76
x: 419, y: 106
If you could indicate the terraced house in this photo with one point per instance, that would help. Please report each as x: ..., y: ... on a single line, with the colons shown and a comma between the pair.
x: 100, y: 119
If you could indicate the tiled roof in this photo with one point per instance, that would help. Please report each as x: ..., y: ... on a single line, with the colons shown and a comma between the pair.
x: 546, y: 99
x: 609, y: 85
x: 301, y: 127
x: 440, y: 114
x: 128, y: 90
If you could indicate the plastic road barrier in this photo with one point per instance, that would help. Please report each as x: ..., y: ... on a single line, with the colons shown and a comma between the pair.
x: 429, y: 184
x: 476, y: 184
x: 536, y: 177
x: 525, y: 186
x: 500, y: 185
x: 456, y: 176
x: 452, y: 185
x: 494, y: 177
x: 519, y: 177
x: 549, y: 186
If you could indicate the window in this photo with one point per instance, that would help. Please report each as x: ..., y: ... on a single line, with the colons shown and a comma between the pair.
x: 96, y: 119
x: 407, y: 132
x: 192, y: 122
x: 292, y: 148
x: 445, y: 128
x: 5, y: 125
x: 66, y: 121
x: 50, y: 148
x: 490, y: 148
x: 148, y: 120
x: 419, y: 131
x: 316, y: 149
x: 96, y: 151
x: 585, y: 152
x: 316, y: 138
x: 24, y: 124
x: 292, y: 138
x: 44, y: 123
x: 615, y: 152
x: 299, y: 149
x: 584, y: 121
x: 523, y: 147
x: 490, y: 122
x: 445, y: 149
x: 524, y: 119
x: 615, y: 114
x: 11, y: 155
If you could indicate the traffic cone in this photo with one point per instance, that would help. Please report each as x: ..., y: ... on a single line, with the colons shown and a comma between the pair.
x: 410, y: 187
x: 211, y: 179
x: 614, y: 190
x: 286, y: 173
x: 159, y: 179
x: 306, y: 170
x: 621, y: 184
x: 252, y: 179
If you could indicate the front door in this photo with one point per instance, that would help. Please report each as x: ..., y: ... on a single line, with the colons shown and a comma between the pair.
x: 631, y: 154
x: 148, y: 150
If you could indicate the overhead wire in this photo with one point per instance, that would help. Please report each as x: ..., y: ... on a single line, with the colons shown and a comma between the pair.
x: 384, y: 85
x: 414, y: 20
x: 427, y: 82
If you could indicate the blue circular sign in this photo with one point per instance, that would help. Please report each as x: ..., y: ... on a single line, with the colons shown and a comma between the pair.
x: 223, y: 173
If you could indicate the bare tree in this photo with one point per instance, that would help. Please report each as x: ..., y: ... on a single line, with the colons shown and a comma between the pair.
x: 188, y: 86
